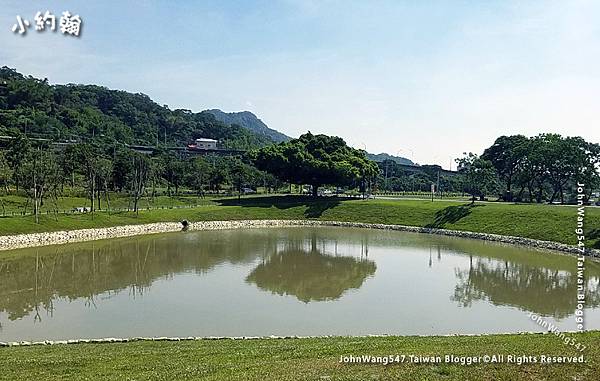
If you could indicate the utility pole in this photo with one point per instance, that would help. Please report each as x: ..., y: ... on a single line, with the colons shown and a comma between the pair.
x: 386, y: 176
x: 432, y: 191
x: 438, y: 184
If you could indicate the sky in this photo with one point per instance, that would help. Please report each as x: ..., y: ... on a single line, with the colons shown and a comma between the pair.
x: 427, y: 80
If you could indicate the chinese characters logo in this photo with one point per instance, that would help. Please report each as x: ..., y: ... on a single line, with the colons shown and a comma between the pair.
x: 69, y: 24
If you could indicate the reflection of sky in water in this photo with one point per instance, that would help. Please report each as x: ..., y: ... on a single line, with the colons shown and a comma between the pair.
x: 286, y: 281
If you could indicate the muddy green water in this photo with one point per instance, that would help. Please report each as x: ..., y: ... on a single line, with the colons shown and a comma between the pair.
x: 286, y: 281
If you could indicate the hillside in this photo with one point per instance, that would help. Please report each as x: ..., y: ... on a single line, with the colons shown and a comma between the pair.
x: 384, y: 156
x: 81, y: 112
x: 250, y: 122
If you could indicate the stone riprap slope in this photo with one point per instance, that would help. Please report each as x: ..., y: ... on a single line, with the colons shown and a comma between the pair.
x: 62, y: 237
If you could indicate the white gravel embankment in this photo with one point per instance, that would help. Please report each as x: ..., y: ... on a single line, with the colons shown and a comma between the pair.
x: 61, y: 237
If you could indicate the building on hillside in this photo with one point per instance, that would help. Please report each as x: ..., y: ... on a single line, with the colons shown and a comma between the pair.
x: 205, y: 143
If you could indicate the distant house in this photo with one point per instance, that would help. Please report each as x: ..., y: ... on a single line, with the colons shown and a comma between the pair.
x: 204, y: 143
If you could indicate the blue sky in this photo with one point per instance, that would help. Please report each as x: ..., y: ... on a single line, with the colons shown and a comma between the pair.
x: 423, y: 79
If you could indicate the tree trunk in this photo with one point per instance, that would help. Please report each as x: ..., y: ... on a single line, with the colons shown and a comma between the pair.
x: 508, y: 196
x: 315, y: 191
x: 562, y: 196
x: 107, y: 198
x: 93, y: 182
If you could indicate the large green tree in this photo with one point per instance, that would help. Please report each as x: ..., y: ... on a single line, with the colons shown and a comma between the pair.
x: 506, y: 155
x: 480, y: 176
x: 316, y: 160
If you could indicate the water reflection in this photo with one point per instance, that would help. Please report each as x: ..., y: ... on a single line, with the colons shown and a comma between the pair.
x: 310, y: 264
x: 34, y: 278
x: 547, y: 291
x: 309, y: 274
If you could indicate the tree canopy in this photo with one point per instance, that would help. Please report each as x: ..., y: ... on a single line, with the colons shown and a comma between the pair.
x: 317, y: 160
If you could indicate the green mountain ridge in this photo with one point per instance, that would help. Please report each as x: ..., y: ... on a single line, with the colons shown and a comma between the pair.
x: 249, y: 121
x: 380, y: 157
x: 81, y: 112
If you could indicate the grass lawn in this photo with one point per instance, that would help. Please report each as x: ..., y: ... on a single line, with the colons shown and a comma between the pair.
x: 16, y: 204
x: 299, y: 359
x: 545, y: 222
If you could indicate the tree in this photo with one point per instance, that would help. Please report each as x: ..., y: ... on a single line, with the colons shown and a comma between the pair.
x: 156, y: 171
x: 480, y: 176
x: 196, y: 175
x: 506, y: 155
x: 138, y: 178
x: 40, y: 178
x: 6, y: 174
x: 69, y: 163
x: 570, y: 158
x: 89, y: 167
x: 551, y: 165
x: 121, y: 168
x: 316, y: 160
x: 174, y: 172
x: 104, y: 174
x: 240, y: 174
x: 19, y: 151
x: 217, y: 174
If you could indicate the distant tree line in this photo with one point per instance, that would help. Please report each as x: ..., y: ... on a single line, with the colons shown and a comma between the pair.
x: 543, y: 168
x: 87, y: 112
x: 43, y: 172
x: 394, y: 177
x: 546, y: 167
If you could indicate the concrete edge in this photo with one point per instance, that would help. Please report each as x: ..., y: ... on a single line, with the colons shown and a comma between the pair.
x: 19, y: 241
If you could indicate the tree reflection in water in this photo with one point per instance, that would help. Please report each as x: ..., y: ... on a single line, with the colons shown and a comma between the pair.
x: 307, y: 264
x: 547, y: 291
x: 35, y: 278
x: 309, y: 274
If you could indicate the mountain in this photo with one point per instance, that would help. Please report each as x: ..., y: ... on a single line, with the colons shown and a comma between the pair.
x: 250, y: 122
x: 83, y: 112
x: 384, y: 156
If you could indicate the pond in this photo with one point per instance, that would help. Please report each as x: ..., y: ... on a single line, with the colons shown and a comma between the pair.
x: 286, y: 281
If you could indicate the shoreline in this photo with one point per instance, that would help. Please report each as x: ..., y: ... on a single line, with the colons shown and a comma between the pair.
x: 270, y: 337
x: 19, y: 241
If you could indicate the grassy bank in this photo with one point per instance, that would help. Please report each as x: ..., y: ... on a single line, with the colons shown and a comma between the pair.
x: 17, y: 204
x: 545, y: 222
x: 298, y: 359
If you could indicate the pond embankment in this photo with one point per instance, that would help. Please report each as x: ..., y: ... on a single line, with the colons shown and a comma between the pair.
x: 62, y: 237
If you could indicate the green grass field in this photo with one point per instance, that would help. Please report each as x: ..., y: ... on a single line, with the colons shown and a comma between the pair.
x: 545, y: 222
x: 16, y: 204
x: 299, y: 359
